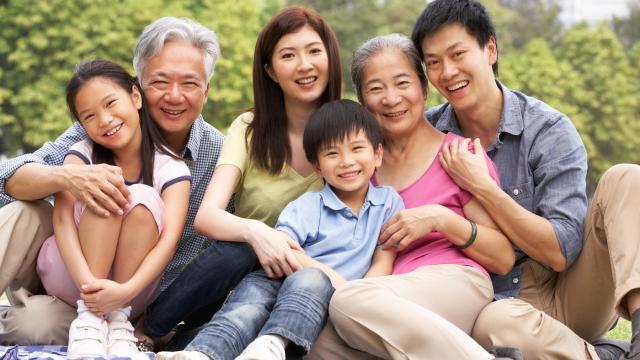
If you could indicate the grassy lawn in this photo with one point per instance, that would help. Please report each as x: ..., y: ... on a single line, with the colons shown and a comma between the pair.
x: 622, y: 331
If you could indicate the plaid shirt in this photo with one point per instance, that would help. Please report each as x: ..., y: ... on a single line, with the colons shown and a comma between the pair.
x: 204, y: 146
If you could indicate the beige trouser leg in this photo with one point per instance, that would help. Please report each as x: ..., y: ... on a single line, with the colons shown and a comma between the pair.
x: 403, y: 316
x: 24, y: 225
x: 557, y: 314
x: 39, y: 319
x: 330, y: 346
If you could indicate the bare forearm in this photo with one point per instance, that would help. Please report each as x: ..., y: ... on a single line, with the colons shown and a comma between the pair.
x: 216, y: 223
x: 533, y: 234
x: 34, y: 181
x: 152, y: 266
x: 491, y: 248
x: 381, y: 263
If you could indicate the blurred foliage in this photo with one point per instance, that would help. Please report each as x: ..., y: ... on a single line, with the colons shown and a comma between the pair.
x: 628, y: 28
x: 589, y: 73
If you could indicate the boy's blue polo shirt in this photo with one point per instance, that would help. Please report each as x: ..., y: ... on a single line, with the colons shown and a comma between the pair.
x: 332, y: 234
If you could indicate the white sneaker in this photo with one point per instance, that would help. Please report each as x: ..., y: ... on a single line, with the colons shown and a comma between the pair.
x: 181, y: 355
x: 87, y: 338
x: 121, y: 342
x: 265, y: 347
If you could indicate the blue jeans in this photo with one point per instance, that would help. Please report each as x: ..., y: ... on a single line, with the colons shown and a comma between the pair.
x: 200, y: 289
x: 294, y: 307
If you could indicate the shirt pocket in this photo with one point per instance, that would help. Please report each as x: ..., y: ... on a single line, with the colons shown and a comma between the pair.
x: 522, y: 194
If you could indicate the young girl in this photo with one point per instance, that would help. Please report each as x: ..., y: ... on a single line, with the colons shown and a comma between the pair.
x: 131, y: 248
x: 296, y: 69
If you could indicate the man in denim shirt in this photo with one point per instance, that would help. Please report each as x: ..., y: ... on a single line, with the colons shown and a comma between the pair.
x: 566, y: 286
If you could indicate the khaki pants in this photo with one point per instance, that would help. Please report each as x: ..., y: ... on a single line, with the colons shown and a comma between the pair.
x: 31, y: 320
x: 403, y: 316
x: 557, y: 314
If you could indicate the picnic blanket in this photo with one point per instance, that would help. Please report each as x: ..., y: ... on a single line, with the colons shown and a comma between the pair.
x: 51, y: 352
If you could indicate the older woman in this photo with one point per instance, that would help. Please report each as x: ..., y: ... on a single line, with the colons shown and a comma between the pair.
x: 446, y: 241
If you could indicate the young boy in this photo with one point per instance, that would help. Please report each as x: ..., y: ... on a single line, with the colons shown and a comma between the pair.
x: 337, y: 227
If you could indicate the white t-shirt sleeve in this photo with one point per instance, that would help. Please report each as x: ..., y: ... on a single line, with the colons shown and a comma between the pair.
x: 82, y: 149
x: 168, y: 171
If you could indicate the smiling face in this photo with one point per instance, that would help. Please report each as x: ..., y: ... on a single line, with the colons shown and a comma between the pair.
x: 459, y: 67
x: 109, y: 114
x: 299, y: 64
x: 176, y: 88
x: 392, y: 91
x: 348, y: 165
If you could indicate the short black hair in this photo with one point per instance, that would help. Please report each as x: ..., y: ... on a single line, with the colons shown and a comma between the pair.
x: 469, y: 13
x: 333, y: 122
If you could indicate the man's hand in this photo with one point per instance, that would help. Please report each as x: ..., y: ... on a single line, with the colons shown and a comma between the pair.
x: 103, y: 296
x: 274, y: 251
x: 408, y: 225
x: 101, y: 187
x: 466, y: 168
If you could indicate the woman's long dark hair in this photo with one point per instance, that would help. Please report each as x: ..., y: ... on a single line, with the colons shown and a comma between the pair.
x: 151, y: 137
x: 269, y: 145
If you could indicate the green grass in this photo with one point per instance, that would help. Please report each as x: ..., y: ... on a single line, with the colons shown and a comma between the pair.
x: 622, y: 331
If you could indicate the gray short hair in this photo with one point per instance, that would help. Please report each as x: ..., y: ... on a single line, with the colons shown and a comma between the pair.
x: 375, y: 46
x: 169, y: 28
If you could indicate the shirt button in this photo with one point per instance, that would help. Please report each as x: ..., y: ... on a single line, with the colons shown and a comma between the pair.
x: 516, y: 192
x: 515, y: 280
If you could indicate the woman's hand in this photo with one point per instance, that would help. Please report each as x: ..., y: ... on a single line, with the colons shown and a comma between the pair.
x: 103, y: 296
x: 410, y: 224
x: 467, y: 169
x: 274, y: 250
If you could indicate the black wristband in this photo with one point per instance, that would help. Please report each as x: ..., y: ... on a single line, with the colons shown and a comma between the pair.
x: 472, y: 238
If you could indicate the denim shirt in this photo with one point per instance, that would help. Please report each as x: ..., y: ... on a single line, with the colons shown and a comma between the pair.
x: 542, y: 164
x: 202, y: 150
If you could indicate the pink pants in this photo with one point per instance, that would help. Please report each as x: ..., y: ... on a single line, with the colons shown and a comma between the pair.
x: 54, y: 275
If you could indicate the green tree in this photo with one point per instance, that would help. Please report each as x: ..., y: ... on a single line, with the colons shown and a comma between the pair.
x: 536, y: 72
x: 606, y: 77
x: 40, y: 43
x: 237, y: 24
x: 533, y: 19
x: 628, y: 28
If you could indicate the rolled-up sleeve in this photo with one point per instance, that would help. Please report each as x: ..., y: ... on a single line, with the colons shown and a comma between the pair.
x: 51, y: 153
x: 559, y: 162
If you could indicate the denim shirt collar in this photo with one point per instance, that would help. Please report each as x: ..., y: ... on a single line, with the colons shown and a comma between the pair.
x: 195, y: 136
x: 374, y: 197
x: 511, y: 120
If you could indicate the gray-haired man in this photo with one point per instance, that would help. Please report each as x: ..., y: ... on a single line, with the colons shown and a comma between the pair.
x: 174, y: 59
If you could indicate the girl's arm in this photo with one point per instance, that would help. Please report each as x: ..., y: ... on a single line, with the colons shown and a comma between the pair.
x: 382, y: 263
x: 213, y: 221
x: 107, y: 295
x: 66, y: 233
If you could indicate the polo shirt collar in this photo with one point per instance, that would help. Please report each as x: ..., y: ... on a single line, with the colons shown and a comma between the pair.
x: 375, y: 196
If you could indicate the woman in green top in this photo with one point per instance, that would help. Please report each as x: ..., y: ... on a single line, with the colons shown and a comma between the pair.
x: 296, y: 69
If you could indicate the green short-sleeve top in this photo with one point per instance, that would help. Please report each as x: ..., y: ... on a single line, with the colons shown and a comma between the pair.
x: 260, y: 195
